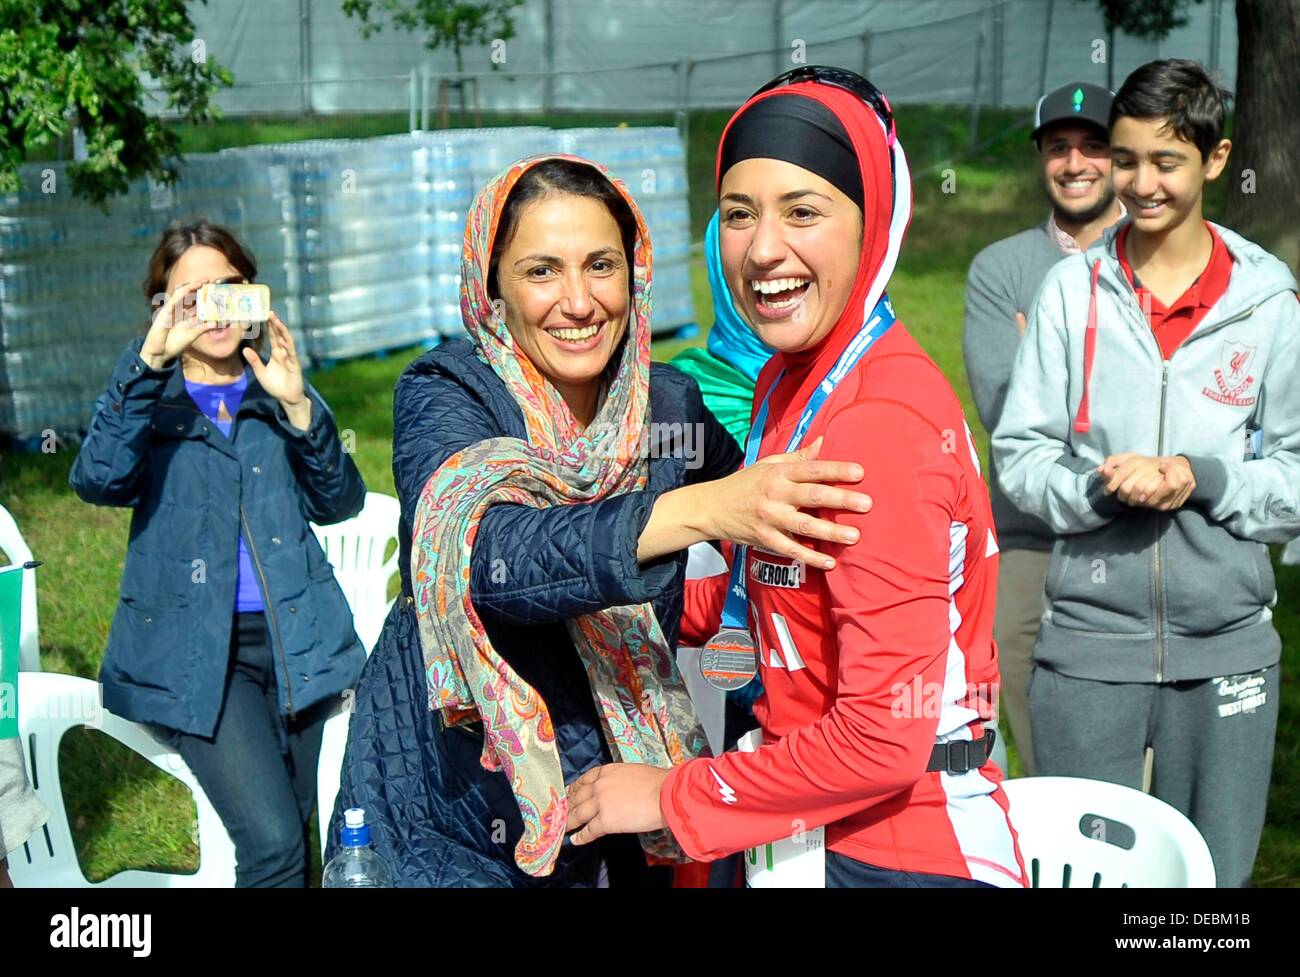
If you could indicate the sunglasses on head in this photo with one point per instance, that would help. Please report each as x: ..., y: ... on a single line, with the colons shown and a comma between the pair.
x: 840, y: 78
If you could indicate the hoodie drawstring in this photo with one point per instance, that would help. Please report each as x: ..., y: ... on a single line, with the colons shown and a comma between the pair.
x: 1082, y: 424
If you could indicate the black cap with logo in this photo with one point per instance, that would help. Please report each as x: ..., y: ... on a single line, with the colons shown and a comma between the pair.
x: 1078, y: 101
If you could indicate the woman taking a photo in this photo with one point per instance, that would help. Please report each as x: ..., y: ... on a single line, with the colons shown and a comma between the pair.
x: 231, y: 638
x: 879, y: 674
x: 548, y: 497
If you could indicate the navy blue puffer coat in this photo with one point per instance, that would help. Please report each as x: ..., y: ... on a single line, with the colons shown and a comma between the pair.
x: 194, y: 492
x: 436, y: 815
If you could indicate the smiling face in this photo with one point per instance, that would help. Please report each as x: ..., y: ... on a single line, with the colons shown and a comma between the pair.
x: 1158, y: 175
x: 790, y: 243
x: 200, y: 261
x: 564, y: 280
x: 1076, y: 171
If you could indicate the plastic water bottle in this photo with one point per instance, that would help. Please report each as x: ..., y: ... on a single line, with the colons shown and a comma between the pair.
x: 357, y: 865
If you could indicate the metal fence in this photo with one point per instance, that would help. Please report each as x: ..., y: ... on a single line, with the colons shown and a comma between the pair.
x: 658, y: 60
x: 306, y: 57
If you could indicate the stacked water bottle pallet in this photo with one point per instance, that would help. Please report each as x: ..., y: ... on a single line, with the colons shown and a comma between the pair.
x: 652, y: 162
x: 458, y: 162
x: 380, y: 229
x: 72, y: 277
x: 359, y: 223
x: 359, y: 241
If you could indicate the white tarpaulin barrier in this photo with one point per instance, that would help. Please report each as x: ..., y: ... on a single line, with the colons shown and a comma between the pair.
x: 300, y: 55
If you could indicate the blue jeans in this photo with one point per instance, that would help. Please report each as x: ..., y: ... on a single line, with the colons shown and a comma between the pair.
x: 259, y: 768
x: 843, y: 872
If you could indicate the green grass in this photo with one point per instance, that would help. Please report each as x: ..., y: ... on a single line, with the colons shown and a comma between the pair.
x: 125, y: 814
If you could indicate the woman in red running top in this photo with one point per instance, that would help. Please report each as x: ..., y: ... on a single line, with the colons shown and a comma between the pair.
x: 878, y: 666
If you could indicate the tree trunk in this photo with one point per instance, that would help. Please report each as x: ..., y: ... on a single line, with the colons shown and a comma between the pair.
x: 1266, y: 128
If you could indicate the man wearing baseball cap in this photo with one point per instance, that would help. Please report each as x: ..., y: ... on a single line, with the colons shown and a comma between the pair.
x: 1070, y: 132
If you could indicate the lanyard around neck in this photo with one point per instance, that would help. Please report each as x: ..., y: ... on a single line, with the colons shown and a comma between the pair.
x: 736, y: 609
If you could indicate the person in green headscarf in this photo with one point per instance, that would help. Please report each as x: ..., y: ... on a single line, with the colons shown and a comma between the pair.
x: 727, y: 368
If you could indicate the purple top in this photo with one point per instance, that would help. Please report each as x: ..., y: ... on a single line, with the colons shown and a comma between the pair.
x: 209, y: 398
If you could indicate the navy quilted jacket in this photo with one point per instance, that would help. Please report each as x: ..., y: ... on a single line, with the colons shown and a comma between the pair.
x: 193, y: 492
x: 436, y: 815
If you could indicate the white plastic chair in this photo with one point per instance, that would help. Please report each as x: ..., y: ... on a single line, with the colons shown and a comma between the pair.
x: 16, y: 548
x: 1071, y: 831
x: 50, y: 704
x: 329, y: 769
x: 356, y: 549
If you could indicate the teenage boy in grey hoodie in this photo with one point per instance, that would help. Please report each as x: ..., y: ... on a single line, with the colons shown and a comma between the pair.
x: 1149, y: 364
x: 1073, y: 146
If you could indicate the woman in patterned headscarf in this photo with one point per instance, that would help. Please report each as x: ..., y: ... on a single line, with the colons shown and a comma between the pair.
x: 550, y: 481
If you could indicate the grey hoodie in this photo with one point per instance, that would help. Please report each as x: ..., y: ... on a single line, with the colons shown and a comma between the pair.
x: 1136, y: 595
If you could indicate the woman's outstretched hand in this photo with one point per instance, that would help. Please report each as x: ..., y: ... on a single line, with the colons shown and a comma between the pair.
x: 760, y: 506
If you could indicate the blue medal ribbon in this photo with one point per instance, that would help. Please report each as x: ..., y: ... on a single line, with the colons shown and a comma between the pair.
x: 735, y: 612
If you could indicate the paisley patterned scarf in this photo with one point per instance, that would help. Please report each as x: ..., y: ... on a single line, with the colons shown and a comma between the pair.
x: 645, y: 711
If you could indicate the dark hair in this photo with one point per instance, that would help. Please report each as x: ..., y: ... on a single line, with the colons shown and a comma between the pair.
x: 181, y: 235
x: 1178, y: 91
x: 561, y: 176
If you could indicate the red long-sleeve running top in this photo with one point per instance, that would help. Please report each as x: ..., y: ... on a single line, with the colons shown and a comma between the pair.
x: 866, y: 666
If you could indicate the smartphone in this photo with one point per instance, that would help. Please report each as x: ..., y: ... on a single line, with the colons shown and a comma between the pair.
x: 233, y: 302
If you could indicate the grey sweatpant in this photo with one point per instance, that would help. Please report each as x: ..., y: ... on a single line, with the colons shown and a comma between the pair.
x: 1212, y: 741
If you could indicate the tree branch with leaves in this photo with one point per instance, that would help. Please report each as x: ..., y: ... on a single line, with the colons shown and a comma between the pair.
x: 66, y: 63
x: 457, y: 24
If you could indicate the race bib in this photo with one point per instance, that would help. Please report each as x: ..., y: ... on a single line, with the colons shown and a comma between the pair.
x: 797, y: 862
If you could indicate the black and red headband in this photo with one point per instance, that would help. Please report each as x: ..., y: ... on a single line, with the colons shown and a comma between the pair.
x: 798, y: 131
